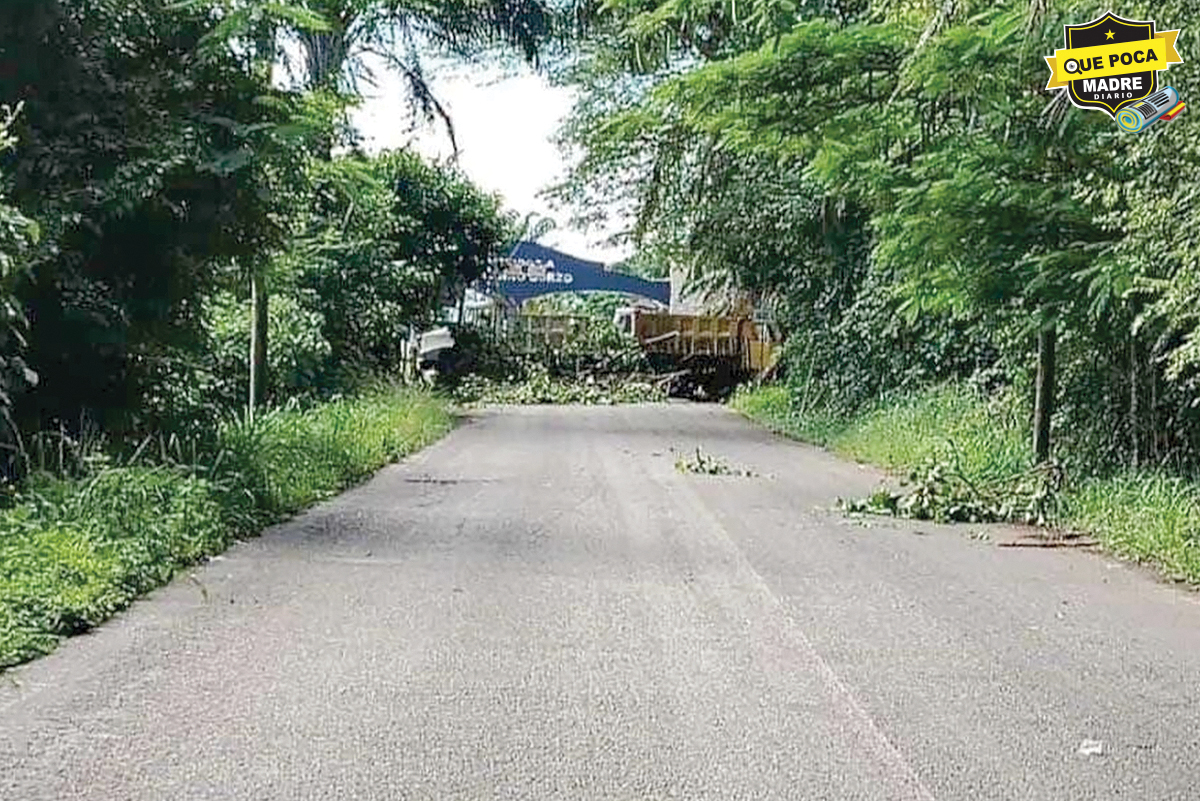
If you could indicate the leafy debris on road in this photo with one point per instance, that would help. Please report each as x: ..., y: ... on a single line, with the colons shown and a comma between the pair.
x: 941, y: 491
x: 708, y: 465
x: 542, y: 388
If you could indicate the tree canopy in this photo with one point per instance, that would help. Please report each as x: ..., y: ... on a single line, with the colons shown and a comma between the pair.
x: 895, y: 180
x: 151, y: 160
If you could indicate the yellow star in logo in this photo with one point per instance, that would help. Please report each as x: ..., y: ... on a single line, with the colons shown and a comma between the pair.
x: 1108, y: 34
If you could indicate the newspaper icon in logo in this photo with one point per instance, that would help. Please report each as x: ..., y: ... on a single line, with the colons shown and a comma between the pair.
x: 1111, y: 64
x: 1162, y: 105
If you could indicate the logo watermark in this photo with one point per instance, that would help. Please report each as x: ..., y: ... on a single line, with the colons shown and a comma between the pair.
x: 1112, y: 65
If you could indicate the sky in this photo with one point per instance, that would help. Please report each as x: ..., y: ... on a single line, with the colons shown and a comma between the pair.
x: 503, y: 123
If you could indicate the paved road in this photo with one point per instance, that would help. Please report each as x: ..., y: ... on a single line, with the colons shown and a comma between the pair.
x: 542, y: 607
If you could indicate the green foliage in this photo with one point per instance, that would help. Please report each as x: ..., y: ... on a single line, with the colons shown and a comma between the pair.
x: 847, y: 357
x: 164, y: 167
x: 983, y: 438
x: 647, y: 36
x: 18, y: 235
x: 909, y: 205
x: 599, y: 306
x: 297, y: 354
x: 147, y: 166
x: 288, y: 458
x: 72, y: 553
x: 1158, y: 258
x: 778, y: 408
x: 597, y: 348
x: 941, y: 491
x: 979, y: 437
x: 538, y: 387
x: 340, y: 36
x: 587, y: 347
x: 962, y: 458
x: 75, y: 551
x: 704, y: 464
x: 963, y: 454
x: 593, y: 363
x: 392, y: 238
x: 1148, y: 517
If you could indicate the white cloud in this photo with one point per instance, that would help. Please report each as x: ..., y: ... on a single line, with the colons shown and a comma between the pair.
x: 503, y: 124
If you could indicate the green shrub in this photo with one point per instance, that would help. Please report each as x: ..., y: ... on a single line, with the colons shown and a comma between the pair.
x: 289, y: 458
x: 72, y: 553
x: 297, y: 352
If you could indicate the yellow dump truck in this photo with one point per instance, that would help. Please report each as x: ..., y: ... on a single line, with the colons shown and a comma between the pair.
x: 707, y: 354
x: 698, y: 355
x: 740, y: 340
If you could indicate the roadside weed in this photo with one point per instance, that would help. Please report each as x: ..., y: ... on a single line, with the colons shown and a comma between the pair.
x: 74, y: 551
x: 964, y: 458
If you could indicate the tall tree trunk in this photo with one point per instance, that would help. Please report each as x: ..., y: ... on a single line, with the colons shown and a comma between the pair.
x: 1153, y: 438
x: 265, y: 52
x: 325, y: 55
x: 1043, y: 407
x: 258, y: 340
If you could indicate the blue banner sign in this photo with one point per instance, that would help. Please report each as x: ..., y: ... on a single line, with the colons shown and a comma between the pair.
x: 532, y: 270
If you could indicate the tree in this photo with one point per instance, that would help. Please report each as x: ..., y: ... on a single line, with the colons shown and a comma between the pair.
x: 767, y: 164
x: 139, y: 156
x: 337, y: 34
x: 392, y: 238
x: 18, y: 234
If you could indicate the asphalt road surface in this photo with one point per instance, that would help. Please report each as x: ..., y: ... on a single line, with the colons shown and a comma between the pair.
x: 542, y: 607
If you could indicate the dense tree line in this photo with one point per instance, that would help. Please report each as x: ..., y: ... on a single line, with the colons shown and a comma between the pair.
x: 895, y: 180
x: 156, y: 173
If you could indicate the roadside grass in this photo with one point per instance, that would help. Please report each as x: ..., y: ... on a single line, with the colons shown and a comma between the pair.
x: 774, y: 407
x: 983, y: 439
x: 1151, y: 518
x: 949, y: 423
x: 75, y: 551
x: 289, y: 459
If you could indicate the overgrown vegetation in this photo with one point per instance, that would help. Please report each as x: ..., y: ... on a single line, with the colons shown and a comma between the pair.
x: 75, y: 550
x: 962, y: 457
x: 963, y: 263
x: 539, y: 387
x: 190, y: 235
x: 587, y: 360
x: 173, y: 178
x: 189, y: 230
x: 1149, y: 517
x: 892, y: 182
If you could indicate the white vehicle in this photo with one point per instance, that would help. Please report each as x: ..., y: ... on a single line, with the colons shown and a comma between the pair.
x: 430, y: 348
